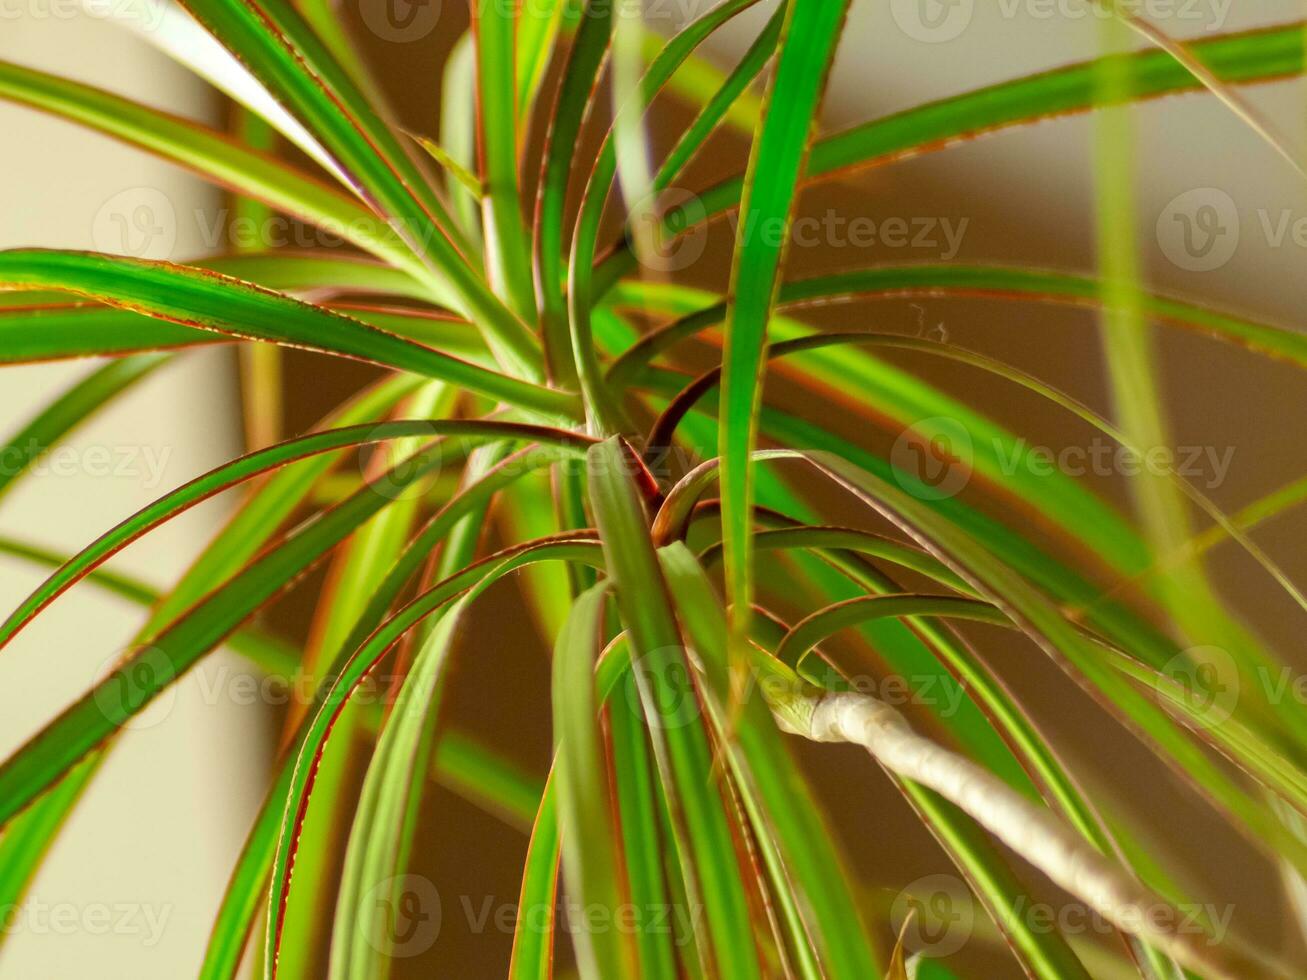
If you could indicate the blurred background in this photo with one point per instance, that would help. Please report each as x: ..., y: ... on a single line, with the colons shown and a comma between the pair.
x: 166, y: 819
x: 130, y: 889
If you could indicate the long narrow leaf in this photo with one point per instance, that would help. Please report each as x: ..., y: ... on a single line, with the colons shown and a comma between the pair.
x: 776, y: 163
x: 211, y: 301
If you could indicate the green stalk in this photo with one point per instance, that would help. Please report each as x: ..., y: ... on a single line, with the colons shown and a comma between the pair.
x: 509, y: 255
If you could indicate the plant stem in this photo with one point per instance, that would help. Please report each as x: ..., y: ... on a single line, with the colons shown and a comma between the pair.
x: 1027, y: 828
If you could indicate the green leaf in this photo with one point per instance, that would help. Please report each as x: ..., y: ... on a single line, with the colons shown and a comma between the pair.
x: 246, y: 890
x: 274, y: 41
x: 245, y: 468
x: 700, y: 75
x: 327, y: 24
x: 273, y: 502
x: 938, y: 279
x: 291, y: 272
x: 243, y: 537
x: 50, y: 333
x: 605, y: 412
x: 213, y: 155
x: 380, y: 834
x: 580, y: 72
x: 462, y: 176
x: 358, y: 564
x: 1067, y: 504
x: 461, y: 763
x: 661, y: 670
x: 847, y: 540
x: 986, y: 868
x: 825, y: 622
x: 776, y: 163
x: 1259, y: 55
x: 825, y: 899
x: 591, y: 861
x: 661, y: 436
x: 211, y: 301
x: 458, y: 131
x: 151, y: 668
x: 1045, y: 624
x: 718, y: 106
x: 533, y: 938
x: 643, y: 844
x: 331, y: 700
x: 494, y: 28
x: 503, y: 474
x: 538, y: 26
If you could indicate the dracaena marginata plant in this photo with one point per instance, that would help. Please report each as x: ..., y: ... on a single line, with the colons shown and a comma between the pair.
x: 667, y: 522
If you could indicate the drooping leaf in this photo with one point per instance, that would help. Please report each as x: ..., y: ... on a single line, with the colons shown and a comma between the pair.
x: 210, y: 153
x: 367, y: 555
x: 211, y: 301
x: 330, y: 700
x: 245, y: 468
x: 282, y: 50
x: 151, y: 668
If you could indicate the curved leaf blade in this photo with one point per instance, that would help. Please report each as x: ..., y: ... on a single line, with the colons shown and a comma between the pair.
x: 211, y: 301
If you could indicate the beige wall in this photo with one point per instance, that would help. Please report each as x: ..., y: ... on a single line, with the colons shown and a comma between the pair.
x: 150, y: 848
